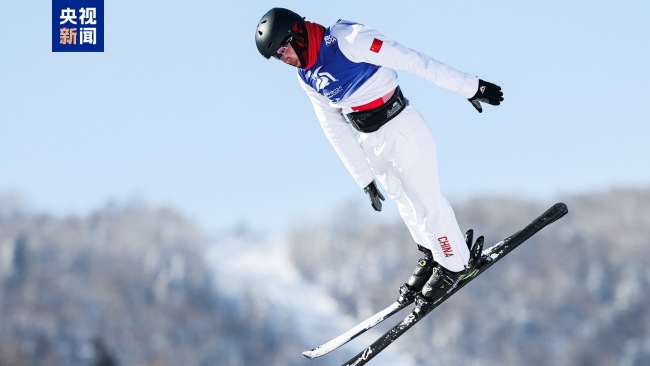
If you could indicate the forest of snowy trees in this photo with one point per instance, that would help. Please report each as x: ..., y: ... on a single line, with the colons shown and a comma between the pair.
x: 134, y: 285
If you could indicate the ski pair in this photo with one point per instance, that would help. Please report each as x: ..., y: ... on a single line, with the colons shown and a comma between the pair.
x: 489, y: 256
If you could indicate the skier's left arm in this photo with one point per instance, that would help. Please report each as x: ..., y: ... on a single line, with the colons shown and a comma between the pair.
x: 365, y: 44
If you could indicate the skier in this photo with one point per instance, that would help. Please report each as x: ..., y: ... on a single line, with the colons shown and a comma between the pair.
x: 348, y: 71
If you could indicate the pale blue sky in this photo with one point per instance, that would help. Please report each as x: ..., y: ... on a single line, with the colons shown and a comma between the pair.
x: 181, y: 110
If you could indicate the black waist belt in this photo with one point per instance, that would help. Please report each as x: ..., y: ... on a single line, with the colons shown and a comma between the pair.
x: 372, y: 120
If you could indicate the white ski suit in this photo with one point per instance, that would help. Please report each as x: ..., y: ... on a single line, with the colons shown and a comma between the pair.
x: 356, y: 65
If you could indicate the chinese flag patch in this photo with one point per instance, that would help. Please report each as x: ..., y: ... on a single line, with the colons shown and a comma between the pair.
x: 376, y: 45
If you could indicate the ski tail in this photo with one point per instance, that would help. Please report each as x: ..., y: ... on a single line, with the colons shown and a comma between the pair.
x: 357, y: 330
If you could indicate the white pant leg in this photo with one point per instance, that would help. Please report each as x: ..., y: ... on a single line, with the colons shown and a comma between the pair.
x: 403, y: 157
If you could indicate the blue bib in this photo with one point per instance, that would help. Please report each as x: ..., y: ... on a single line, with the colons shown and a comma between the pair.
x: 333, y: 75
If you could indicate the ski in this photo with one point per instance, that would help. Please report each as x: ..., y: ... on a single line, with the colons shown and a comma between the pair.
x: 357, y: 330
x: 490, y: 256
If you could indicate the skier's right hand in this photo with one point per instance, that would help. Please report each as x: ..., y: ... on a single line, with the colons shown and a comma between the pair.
x: 374, y: 195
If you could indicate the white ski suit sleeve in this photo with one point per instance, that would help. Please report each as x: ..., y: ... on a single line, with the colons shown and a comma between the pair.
x: 340, y: 134
x: 355, y: 42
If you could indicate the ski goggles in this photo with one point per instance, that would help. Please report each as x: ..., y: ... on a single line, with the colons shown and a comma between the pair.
x: 283, y: 48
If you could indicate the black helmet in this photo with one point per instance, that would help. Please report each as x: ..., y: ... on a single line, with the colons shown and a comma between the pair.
x: 274, y: 29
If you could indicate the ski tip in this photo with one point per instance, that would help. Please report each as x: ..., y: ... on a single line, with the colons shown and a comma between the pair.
x: 310, y: 354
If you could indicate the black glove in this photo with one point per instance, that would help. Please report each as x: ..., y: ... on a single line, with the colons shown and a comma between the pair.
x: 486, y: 93
x: 374, y: 195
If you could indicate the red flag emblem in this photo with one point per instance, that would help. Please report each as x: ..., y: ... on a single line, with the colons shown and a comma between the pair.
x: 376, y: 45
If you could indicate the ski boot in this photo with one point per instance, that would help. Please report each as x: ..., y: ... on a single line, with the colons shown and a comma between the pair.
x: 443, y: 281
x: 419, y: 277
